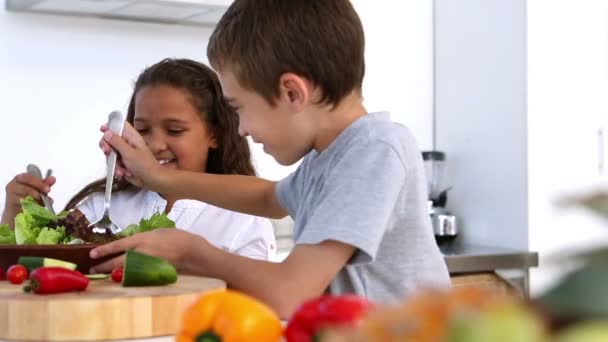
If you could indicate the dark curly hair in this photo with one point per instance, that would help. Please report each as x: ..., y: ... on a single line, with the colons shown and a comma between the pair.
x: 232, y: 156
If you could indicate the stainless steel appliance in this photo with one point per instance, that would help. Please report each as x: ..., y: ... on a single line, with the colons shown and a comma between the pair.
x: 445, y: 225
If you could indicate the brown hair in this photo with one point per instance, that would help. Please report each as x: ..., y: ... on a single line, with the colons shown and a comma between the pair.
x: 232, y: 156
x: 320, y: 40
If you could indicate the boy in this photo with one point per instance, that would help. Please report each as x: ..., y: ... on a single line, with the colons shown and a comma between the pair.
x: 293, y: 71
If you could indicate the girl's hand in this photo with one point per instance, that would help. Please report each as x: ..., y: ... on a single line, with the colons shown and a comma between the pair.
x: 171, y: 244
x: 136, y: 162
x: 21, y: 186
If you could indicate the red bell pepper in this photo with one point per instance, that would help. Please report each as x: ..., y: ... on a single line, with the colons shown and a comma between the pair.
x: 47, y: 280
x: 315, y: 315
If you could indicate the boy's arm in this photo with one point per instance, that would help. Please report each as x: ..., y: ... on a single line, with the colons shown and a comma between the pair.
x: 246, y: 194
x: 305, y: 273
x: 283, y: 285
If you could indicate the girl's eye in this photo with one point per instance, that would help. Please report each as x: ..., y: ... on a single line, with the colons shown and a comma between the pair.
x: 142, y: 131
x: 176, y: 131
x: 234, y: 108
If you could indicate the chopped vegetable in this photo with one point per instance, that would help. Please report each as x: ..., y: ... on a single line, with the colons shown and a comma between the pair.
x: 32, y: 263
x: 97, y: 276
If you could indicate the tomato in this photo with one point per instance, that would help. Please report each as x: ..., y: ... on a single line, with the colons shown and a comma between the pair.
x: 1, y: 274
x: 16, y: 274
x: 117, y: 274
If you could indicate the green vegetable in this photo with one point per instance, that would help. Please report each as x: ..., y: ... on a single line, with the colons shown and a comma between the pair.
x: 40, y: 214
x: 98, y: 276
x: 157, y: 220
x: 63, y: 214
x: 32, y: 263
x: 587, y: 331
x: 50, y: 236
x: 582, y: 293
x: 7, y: 236
x: 31, y: 225
x: 26, y: 230
x: 36, y: 225
x: 504, y: 323
x: 145, y: 270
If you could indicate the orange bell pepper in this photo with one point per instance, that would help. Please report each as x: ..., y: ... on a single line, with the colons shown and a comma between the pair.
x: 229, y: 316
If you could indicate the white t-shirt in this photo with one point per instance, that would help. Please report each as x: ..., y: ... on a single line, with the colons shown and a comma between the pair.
x: 246, y: 235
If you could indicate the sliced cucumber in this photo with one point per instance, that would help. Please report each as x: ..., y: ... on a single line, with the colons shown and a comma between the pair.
x: 97, y: 276
x: 32, y: 263
x: 145, y: 270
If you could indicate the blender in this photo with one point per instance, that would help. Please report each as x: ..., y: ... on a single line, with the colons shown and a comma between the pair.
x: 443, y: 222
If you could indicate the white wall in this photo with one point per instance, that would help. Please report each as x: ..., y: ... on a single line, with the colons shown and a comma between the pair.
x: 480, y: 113
x: 61, y: 76
x: 399, y: 62
x: 567, y: 103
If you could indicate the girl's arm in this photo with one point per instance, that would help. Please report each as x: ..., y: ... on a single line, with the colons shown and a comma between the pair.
x: 21, y: 186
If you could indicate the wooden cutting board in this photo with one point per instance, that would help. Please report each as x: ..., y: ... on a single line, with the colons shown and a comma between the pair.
x: 105, y: 311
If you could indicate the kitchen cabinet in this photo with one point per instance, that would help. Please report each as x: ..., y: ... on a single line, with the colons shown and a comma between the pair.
x: 567, y: 112
x: 183, y: 12
x: 520, y: 99
x: 489, y: 280
x: 503, y: 269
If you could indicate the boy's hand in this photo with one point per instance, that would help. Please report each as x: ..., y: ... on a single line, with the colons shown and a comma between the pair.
x: 136, y: 162
x: 170, y: 244
x: 21, y: 186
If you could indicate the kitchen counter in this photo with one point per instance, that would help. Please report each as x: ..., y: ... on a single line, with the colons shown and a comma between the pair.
x: 471, y: 259
x: 510, y: 265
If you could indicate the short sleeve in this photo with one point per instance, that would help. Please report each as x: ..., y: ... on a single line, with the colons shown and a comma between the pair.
x: 288, y: 189
x: 89, y: 204
x: 356, y: 200
x: 256, y: 239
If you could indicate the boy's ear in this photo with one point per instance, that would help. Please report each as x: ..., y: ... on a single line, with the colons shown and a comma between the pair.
x: 295, y: 90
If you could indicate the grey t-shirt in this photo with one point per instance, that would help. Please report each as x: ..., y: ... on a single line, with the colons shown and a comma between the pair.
x: 367, y: 189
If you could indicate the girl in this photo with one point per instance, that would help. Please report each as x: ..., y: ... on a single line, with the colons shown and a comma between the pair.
x: 178, y: 108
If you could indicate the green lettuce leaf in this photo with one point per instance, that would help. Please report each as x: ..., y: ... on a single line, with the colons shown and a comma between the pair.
x: 50, y: 236
x: 7, y: 236
x: 40, y: 214
x: 26, y: 230
x: 157, y: 220
x: 130, y: 230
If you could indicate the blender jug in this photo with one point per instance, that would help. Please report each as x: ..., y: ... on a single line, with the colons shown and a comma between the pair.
x: 443, y: 222
x: 433, y: 166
